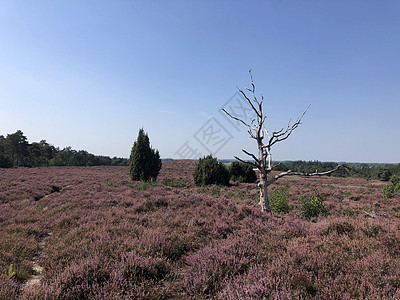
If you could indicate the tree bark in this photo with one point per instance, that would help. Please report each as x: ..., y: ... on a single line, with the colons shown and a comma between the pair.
x: 264, y: 201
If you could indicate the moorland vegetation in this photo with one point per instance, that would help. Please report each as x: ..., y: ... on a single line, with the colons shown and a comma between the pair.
x: 98, y: 235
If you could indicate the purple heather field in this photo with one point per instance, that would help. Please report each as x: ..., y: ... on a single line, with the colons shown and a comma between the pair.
x: 92, y: 233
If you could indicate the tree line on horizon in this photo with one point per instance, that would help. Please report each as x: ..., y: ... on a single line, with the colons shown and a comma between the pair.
x: 16, y: 151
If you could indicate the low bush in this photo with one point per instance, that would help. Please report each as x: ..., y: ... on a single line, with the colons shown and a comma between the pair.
x: 209, y: 171
x: 312, y: 205
x: 395, y: 179
x: 9, y: 288
x: 242, y: 172
x: 391, y: 189
x: 388, y: 191
x: 279, y: 199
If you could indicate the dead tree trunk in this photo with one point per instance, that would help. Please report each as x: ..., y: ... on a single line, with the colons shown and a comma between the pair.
x: 257, y: 131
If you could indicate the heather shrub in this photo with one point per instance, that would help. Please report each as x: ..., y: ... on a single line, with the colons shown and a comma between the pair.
x: 211, y: 266
x: 279, y: 199
x: 348, y: 212
x: 242, y: 172
x: 392, y: 244
x: 209, y: 171
x: 136, y: 268
x: 240, y: 194
x: 312, y: 205
x: 144, y: 162
x: 340, y: 228
x: 171, y: 245
x: 80, y: 280
x: 8, y: 288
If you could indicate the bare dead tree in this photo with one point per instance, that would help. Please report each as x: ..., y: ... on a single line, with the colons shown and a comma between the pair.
x: 257, y: 131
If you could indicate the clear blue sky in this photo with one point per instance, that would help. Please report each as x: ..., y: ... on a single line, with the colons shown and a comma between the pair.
x: 89, y: 74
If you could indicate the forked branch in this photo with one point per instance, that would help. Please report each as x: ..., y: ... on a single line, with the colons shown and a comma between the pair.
x: 291, y: 173
x: 243, y: 122
x: 283, y: 134
x: 247, y: 162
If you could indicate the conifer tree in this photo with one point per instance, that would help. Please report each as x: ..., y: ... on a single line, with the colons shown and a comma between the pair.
x: 144, y: 162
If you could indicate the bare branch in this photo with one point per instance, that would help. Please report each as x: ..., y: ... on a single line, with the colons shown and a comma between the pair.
x: 291, y: 173
x: 237, y: 119
x: 374, y: 214
x: 252, y: 155
x: 243, y: 122
x: 249, y: 101
x: 283, y: 134
x: 252, y: 121
x: 251, y: 134
x: 247, y: 162
x: 278, y: 164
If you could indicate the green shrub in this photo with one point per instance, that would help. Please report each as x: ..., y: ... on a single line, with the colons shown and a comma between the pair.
x: 395, y: 179
x: 242, y: 172
x: 397, y: 188
x: 388, y: 191
x: 144, y: 162
x: 383, y: 174
x: 312, y: 205
x: 279, y: 199
x: 209, y: 171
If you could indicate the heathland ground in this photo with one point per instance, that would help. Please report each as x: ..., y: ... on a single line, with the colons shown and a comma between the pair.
x: 92, y: 233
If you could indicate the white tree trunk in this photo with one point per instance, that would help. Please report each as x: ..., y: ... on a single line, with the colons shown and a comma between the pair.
x: 264, y: 201
x: 256, y: 130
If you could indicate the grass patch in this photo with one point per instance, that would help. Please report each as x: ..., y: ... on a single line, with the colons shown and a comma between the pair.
x: 216, y: 191
x: 112, y: 183
x: 144, y: 185
x: 175, y: 183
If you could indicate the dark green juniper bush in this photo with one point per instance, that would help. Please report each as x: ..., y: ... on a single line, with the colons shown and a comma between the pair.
x: 144, y: 162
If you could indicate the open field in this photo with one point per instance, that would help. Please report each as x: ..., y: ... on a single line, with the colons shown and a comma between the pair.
x: 91, y: 233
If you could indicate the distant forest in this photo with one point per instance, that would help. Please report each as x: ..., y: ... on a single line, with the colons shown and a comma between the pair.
x: 16, y: 151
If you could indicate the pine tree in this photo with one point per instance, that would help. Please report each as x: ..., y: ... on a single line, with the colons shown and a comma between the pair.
x: 144, y: 162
